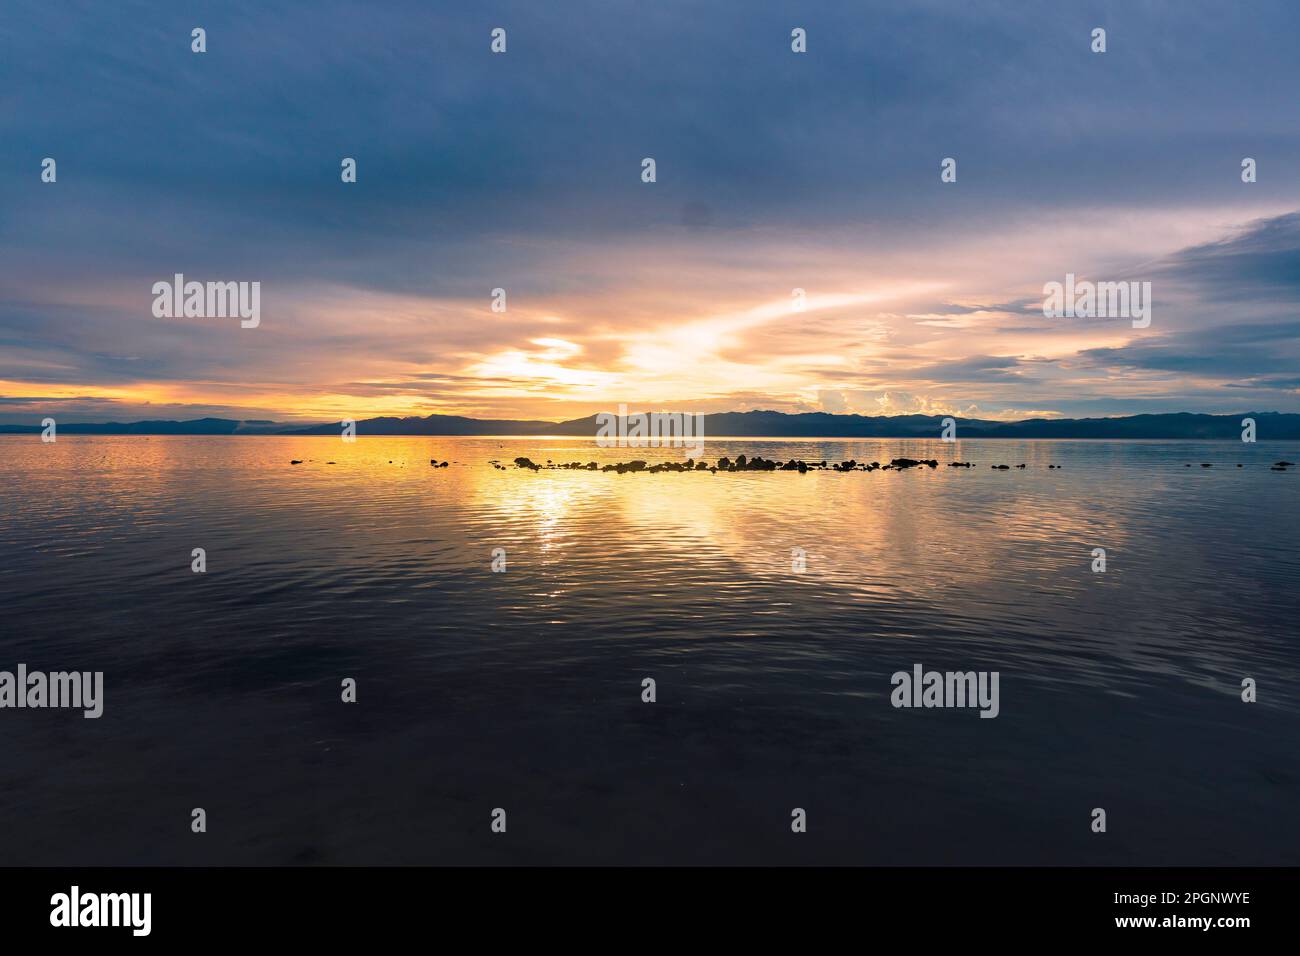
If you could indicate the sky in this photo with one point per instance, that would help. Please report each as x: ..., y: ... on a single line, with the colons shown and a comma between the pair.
x: 522, y: 171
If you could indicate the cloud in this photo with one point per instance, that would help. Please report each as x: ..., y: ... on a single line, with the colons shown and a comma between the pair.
x: 1260, y: 262
x: 776, y: 171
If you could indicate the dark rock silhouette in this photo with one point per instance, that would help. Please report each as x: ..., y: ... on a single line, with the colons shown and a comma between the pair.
x: 623, y: 467
x: 745, y: 463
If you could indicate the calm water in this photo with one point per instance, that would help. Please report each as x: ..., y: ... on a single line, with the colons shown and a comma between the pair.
x: 522, y: 689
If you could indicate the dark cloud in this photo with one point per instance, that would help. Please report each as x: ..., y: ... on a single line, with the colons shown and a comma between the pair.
x: 232, y: 157
x: 1261, y: 262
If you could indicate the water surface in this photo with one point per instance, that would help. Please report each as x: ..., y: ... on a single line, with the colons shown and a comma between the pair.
x: 522, y: 689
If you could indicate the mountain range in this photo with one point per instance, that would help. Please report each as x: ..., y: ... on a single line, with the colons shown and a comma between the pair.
x: 751, y: 424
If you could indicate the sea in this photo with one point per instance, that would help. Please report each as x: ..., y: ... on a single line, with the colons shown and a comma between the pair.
x: 364, y: 658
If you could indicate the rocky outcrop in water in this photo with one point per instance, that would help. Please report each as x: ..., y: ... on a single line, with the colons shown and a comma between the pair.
x: 741, y: 463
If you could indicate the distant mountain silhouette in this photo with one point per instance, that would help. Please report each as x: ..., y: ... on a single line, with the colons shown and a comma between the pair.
x: 196, y: 426
x: 752, y: 424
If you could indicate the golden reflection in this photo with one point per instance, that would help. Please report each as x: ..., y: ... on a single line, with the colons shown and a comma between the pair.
x: 918, y: 532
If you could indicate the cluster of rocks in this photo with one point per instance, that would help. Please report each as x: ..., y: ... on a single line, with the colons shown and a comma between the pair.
x: 432, y: 461
x: 743, y: 463
x: 621, y: 467
x: 1276, y: 466
x: 759, y: 463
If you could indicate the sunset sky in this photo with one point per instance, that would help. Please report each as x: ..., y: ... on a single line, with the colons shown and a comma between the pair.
x: 522, y: 171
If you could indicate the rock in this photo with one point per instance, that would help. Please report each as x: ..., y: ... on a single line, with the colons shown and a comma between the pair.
x: 626, y: 466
